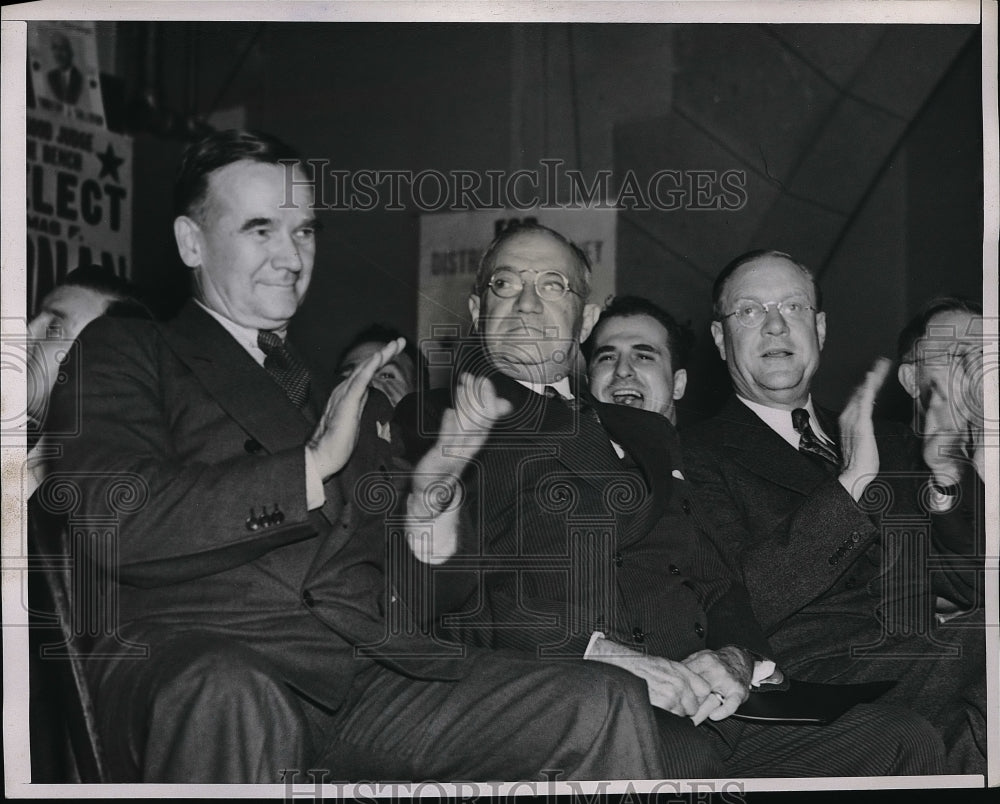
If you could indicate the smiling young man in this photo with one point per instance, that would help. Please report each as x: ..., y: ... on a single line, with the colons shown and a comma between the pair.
x: 834, y: 577
x: 638, y: 356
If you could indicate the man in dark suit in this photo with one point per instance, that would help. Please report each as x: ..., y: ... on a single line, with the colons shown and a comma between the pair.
x: 577, y: 537
x: 637, y: 356
x: 253, y: 626
x: 826, y: 543
x: 65, y: 79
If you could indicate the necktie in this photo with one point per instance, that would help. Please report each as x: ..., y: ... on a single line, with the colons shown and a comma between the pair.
x: 572, y: 402
x: 810, y: 443
x: 287, y: 370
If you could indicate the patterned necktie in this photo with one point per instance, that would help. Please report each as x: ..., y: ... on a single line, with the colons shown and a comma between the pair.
x: 287, y: 370
x: 810, y: 443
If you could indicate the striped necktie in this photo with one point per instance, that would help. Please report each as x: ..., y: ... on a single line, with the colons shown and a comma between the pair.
x: 812, y: 444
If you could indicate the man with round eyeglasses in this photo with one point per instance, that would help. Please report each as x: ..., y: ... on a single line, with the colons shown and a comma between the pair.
x: 806, y: 508
x: 529, y: 304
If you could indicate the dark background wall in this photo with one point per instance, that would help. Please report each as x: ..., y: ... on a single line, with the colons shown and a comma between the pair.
x: 862, y: 147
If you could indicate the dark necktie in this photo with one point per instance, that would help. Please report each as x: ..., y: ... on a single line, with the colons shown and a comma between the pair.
x: 287, y: 370
x: 811, y: 443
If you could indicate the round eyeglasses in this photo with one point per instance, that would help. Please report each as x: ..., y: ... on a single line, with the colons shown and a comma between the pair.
x: 549, y: 285
x: 752, y: 313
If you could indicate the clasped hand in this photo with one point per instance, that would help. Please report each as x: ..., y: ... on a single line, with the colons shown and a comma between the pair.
x: 707, y: 684
x: 952, y: 424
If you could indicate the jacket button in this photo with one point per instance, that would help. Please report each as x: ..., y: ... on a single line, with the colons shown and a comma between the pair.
x: 253, y: 446
x: 253, y: 523
x: 619, y: 559
x: 833, y: 560
x: 638, y: 635
x: 308, y: 599
x: 855, y: 537
x: 674, y: 570
x: 278, y: 516
x: 699, y: 629
x: 686, y: 506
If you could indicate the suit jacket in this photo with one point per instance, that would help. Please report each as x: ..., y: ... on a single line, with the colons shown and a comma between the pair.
x: 822, y: 570
x: 189, y: 449
x: 66, y: 89
x: 561, y: 538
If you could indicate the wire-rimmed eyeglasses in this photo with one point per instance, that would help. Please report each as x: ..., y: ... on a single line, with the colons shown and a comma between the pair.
x: 752, y: 313
x: 549, y: 285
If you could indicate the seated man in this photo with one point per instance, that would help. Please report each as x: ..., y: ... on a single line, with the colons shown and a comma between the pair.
x: 637, y: 356
x: 250, y: 629
x: 822, y: 537
x: 86, y: 293
x: 940, y: 364
x: 395, y: 379
x: 577, y: 537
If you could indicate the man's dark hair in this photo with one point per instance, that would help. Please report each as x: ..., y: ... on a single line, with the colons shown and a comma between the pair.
x: 917, y: 327
x: 380, y: 333
x: 215, y: 151
x: 680, y: 337
x: 100, y: 279
x: 720, y: 281
x: 486, y: 263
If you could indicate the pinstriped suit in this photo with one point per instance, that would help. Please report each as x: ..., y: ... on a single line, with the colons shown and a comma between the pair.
x: 562, y: 538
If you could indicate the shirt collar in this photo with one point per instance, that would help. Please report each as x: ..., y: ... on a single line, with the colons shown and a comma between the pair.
x: 245, y: 336
x: 562, y: 387
x: 781, y: 420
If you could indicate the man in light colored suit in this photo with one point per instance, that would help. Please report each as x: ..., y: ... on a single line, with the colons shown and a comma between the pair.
x: 253, y: 627
x: 816, y: 513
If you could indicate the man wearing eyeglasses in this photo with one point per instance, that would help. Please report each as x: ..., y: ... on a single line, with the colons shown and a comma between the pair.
x: 941, y: 368
x: 811, y: 510
x: 577, y: 539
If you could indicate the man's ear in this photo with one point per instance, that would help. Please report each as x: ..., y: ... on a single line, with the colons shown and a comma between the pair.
x: 591, y: 312
x: 907, y: 375
x: 821, y: 328
x: 680, y: 383
x: 187, y: 233
x: 474, y: 311
x: 719, y: 336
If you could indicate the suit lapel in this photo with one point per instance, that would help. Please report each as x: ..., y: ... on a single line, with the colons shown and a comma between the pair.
x: 235, y: 381
x: 756, y: 447
x: 651, y: 441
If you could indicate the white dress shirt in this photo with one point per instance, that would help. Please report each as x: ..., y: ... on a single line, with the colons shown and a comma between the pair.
x: 781, y: 421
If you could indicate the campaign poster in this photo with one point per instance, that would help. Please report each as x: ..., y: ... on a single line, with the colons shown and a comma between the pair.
x: 65, y: 72
x: 79, y: 187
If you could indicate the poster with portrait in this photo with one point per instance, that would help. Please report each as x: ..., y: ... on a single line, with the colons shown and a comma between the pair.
x: 65, y: 76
